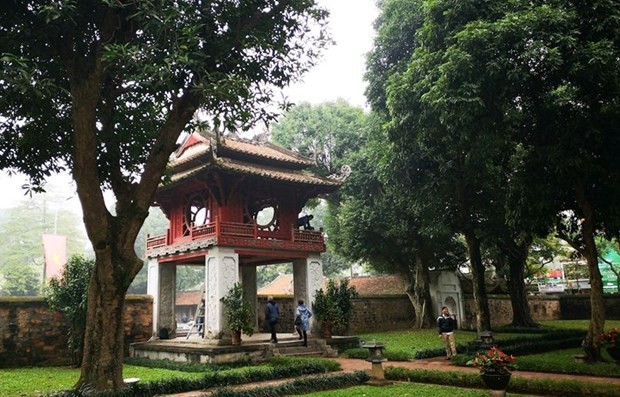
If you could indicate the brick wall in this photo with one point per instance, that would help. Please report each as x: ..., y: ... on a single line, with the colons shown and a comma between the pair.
x: 31, y: 334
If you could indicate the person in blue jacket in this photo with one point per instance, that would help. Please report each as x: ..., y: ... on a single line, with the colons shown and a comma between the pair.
x: 272, y: 316
x: 302, y: 320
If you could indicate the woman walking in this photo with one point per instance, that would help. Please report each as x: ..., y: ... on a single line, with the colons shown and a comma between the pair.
x: 302, y: 320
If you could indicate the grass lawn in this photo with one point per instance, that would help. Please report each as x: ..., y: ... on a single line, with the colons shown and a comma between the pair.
x: 409, y: 341
x: 406, y: 390
x: 39, y: 380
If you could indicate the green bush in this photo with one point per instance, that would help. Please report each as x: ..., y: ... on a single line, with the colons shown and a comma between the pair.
x: 299, y: 386
x: 277, y: 369
x: 517, y: 385
x: 69, y: 295
x: 334, y: 306
x: 362, y: 353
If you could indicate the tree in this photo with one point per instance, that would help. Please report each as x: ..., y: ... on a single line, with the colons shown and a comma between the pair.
x: 22, y: 249
x: 69, y: 295
x: 374, y: 222
x: 560, y: 84
x: 113, y: 85
x: 326, y: 133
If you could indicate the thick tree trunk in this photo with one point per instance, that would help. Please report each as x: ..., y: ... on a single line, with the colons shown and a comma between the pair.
x: 419, y: 293
x: 516, y: 256
x: 591, y: 343
x: 104, y: 339
x: 483, y: 318
x: 521, y: 315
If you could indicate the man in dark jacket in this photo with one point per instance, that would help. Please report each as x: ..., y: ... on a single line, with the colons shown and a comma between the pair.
x: 446, y: 324
x: 272, y: 315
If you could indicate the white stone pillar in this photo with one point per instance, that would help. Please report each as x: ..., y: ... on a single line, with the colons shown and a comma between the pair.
x: 307, y: 279
x: 248, y: 281
x: 222, y: 272
x: 152, y: 289
x: 162, y: 287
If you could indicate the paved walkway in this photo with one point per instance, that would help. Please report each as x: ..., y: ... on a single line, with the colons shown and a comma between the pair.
x: 435, y: 364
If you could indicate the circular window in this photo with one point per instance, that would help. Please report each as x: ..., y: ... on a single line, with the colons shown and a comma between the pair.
x: 266, y: 216
x: 197, y: 211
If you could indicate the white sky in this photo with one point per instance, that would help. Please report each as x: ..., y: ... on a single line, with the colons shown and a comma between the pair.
x: 339, y: 74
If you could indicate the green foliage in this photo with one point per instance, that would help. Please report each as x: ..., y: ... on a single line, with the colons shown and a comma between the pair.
x: 278, y: 369
x: 326, y: 133
x: 21, y: 228
x: 300, y: 386
x: 334, y: 306
x: 535, y: 386
x: 238, y: 311
x: 22, y: 280
x: 69, y: 295
x: 362, y: 353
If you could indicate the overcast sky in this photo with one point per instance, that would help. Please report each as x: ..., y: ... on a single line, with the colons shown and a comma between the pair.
x: 339, y: 74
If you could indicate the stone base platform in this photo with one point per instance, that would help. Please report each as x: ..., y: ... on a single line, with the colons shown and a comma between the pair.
x: 255, y: 348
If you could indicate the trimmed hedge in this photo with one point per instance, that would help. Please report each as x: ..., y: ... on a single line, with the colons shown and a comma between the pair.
x: 278, y: 369
x: 299, y: 386
x: 565, y: 388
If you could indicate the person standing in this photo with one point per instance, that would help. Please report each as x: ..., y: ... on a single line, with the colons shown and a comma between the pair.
x: 272, y: 316
x: 446, y: 324
x: 302, y: 320
x: 200, y: 318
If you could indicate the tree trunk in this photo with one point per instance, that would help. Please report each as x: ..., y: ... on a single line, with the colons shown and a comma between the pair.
x: 419, y: 293
x: 516, y: 256
x: 521, y: 315
x: 483, y: 318
x: 591, y: 343
x: 104, y: 339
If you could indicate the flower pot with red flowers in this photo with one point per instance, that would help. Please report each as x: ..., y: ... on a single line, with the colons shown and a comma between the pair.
x: 495, y: 370
x: 609, y: 340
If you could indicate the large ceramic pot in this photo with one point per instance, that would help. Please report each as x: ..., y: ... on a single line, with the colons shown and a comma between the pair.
x: 614, y: 352
x: 496, y: 381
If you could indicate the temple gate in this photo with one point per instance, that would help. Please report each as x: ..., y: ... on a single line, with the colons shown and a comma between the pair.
x: 233, y: 205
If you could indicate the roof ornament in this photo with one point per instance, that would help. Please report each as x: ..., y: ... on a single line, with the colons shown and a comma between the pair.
x: 344, y: 173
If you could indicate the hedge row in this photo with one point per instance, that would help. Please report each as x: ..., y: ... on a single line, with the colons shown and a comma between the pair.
x: 281, y: 368
x: 547, y: 386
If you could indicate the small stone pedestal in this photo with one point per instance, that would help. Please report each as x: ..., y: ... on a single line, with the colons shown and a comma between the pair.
x: 375, y: 356
x: 485, y: 338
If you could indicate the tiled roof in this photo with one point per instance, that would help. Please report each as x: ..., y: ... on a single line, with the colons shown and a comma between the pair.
x: 240, y: 167
x: 282, y: 285
x: 266, y: 150
x: 197, y: 144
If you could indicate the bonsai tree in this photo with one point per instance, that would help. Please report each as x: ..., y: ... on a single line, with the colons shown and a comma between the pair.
x: 333, y: 307
x: 238, y: 312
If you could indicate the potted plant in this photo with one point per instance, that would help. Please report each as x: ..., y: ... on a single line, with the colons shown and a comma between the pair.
x: 610, y: 341
x: 333, y: 307
x: 238, y: 313
x: 495, y: 369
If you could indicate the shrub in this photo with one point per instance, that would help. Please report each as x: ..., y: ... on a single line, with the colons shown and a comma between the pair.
x: 69, y: 295
x: 334, y: 306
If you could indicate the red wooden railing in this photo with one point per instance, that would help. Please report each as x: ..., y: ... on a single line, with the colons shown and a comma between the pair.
x: 236, y: 229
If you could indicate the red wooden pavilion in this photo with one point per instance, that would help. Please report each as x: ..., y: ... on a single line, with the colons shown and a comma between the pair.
x: 233, y: 205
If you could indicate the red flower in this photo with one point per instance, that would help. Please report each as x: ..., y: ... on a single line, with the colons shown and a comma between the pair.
x: 494, y: 361
x: 610, y: 337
